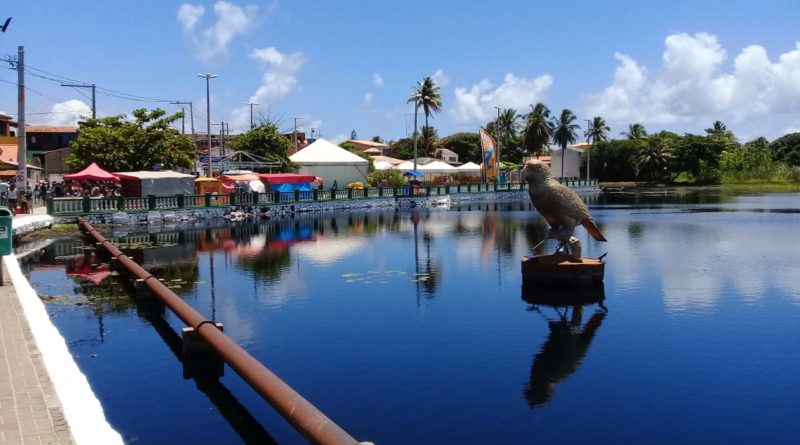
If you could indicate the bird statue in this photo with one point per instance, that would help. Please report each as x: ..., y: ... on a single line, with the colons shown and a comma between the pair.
x: 561, y: 207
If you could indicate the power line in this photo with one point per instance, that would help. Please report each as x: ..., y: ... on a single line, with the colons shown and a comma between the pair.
x: 46, y: 75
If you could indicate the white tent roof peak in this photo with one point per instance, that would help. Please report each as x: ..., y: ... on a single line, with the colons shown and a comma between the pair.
x: 325, y: 152
x: 469, y: 166
x: 436, y: 166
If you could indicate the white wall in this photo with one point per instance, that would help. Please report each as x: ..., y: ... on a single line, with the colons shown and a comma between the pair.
x: 572, y: 163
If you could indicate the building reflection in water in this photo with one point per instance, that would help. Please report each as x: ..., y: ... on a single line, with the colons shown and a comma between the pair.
x: 568, y: 340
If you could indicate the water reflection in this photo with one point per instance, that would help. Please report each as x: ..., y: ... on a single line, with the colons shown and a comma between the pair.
x: 568, y: 340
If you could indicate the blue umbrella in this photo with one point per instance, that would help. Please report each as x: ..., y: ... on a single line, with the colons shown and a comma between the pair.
x: 414, y: 173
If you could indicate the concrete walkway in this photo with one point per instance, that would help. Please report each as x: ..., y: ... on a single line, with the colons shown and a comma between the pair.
x: 30, y: 412
x: 44, y: 398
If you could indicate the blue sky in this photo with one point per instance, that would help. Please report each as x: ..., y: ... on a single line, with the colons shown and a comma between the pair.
x: 350, y: 65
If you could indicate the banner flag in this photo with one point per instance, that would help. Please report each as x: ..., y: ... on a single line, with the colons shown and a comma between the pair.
x: 489, y: 164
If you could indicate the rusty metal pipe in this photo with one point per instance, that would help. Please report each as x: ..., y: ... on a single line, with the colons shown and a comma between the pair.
x: 299, y: 412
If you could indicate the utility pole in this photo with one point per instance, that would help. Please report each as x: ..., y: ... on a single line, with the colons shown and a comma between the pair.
x: 22, y: 148
x: 208, y: 77
x: 222, y: 126
x: 251, y: 113
x: 497, y: 142
x: 588, y: 147
x: 416, y: 106
x: 84, y: 85
x: 294, y: 137
x: 191, y: 115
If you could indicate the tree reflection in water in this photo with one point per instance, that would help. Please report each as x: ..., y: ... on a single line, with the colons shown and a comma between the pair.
x: 568, y: 341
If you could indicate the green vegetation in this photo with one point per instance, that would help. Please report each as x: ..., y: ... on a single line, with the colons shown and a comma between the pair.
x: 392, y: 178
x: 146, y: 142
x: 266, y: 141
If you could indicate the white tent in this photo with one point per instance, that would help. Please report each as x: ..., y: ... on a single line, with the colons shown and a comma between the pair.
x: 159, y: 183
x: 329, y: 161
x: 437, y: 167
x: 406, y: 166
x: 382, y: 165
x: 469, y: 167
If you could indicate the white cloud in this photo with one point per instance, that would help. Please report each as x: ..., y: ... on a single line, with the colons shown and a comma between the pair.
x: 211, y: 44
x: 67, y: 113
x: 368, y: 99
x: 691, y: 86
x: 475, y: 105
x: 339, y: 138
x: 279, y: 79
x: 440, y: 78
x: 377, y: 80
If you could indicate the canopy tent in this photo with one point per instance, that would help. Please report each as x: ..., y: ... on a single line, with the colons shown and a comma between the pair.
x: 437, y: 167
x: 242, y: 183
x: 160, y: 183
x: 286, y: 178
x: 289, y: 182
x: 469, y: 167
x: 382, y: 165
x: 415, y: 173
x: 92, y: 172
x: 406, y: 165
x: 329, y: 161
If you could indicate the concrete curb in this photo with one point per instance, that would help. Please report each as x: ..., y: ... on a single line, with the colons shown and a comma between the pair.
x: 82, y: 409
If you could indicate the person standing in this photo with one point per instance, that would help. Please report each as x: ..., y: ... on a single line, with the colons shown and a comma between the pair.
x: 13, y: 193
x: 3, y: 193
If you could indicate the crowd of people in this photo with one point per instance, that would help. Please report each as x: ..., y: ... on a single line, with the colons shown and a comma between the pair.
x: 13, y: 197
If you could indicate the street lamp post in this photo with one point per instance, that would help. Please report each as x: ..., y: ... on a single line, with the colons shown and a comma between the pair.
x: 208, y: 77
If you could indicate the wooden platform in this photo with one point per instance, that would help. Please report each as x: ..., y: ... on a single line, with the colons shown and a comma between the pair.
x: 561, y: 269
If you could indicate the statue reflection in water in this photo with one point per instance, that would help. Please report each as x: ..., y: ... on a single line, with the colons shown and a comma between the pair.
x: 568, y: 340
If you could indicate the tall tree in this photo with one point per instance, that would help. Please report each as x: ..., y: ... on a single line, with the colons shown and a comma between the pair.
x: 653, y: 160
x: 538, y: 129
x: 635, y: 131
x: 507, y: 126
x: 143, y: 143
x: 597, y: 131
x: 466, y: 145
x: 428, y: 137
x: 266, y: 141
x: 427, y: 95
x: 565, y: 131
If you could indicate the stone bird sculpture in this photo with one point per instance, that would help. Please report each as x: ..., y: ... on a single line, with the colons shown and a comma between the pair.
x: 561, y: 206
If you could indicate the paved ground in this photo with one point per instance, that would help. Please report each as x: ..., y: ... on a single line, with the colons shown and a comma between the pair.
x: 30, y: 412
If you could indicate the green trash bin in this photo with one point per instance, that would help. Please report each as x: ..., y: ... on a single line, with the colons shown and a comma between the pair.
x: 5, y: 231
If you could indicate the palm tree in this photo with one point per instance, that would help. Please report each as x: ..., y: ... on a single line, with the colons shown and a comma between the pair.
x: 428, y: 137
x: 635, y: 131
x: 597, y: 131
x: 717, y: 128
x: 426, y: 94
x: 538, y: 129
x: 565, y: 131
x: 653, y: 159
x: 507, y: 127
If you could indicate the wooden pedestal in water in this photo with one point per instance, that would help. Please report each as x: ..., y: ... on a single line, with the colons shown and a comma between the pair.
x: 561, y: 269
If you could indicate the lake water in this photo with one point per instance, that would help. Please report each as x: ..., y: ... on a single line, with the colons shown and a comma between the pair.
x: 412, y: 327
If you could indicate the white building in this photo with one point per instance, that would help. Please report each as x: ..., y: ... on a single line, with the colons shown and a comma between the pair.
x: 332, y: 163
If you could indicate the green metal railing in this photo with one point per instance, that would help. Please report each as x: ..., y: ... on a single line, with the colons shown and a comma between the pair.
x: 87, y: 205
